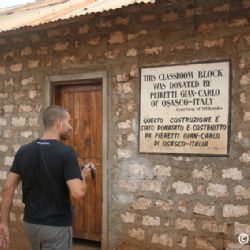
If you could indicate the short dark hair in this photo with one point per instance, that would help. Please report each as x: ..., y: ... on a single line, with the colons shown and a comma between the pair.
x: 51, y: 114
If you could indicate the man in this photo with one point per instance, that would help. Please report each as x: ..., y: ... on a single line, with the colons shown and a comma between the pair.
x: 50, y: 174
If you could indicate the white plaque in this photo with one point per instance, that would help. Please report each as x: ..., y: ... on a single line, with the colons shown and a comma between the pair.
x: 184, y: 109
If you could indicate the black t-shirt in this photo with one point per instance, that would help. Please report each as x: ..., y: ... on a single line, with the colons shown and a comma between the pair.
x: 44, y: 167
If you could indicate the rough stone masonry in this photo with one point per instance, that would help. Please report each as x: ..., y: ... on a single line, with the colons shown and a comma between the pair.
x: 154, y: 201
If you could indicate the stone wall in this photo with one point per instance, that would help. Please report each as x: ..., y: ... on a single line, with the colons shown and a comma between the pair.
x: 154, y: 201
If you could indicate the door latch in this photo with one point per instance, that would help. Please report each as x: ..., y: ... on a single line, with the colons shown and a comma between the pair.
x: 92, y: 168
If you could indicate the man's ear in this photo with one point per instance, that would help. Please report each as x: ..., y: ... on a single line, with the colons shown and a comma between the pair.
x: 58, y: 123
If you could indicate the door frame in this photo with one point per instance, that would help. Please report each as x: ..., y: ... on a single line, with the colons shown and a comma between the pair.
x: 49, y: 94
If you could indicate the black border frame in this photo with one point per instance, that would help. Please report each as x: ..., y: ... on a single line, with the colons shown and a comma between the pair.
x: 229, y: 109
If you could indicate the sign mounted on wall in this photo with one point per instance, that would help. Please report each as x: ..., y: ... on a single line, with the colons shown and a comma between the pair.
x: 185, y: 109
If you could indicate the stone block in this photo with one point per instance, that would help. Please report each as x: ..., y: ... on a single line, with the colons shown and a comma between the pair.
x: 18, y: 95
x: 16, y: 67
x: 245, y: 157
x: 204, y: 210
x: 61, y: 46
x: 148, y: 220
x: 151, y: 185
x: 132, y: 52
x: 104, y: 24
x: 181, y: 224
x: 183, y: 242
x: 132, y: 36
x: 243, y: 99
x: 53, y: 33
x: 42, y: 50
x: 214, y: 227
x: 153, y: 50
x: 125, y: 125
x: 203, y: 244
x: 32, y: 64
x: 3, y: 148
x: 117, y: 38
x: 26, y: 51
x: 142, y: 203
x: 241, y: 192
x: 34, y: 38
x: 8, y: 160
x: 246, y: 116
x: 222, y: 8
x: 3, y: 121
x: 162, y: 239
x: 94, y: 41
x: 9, y: 55
x: 189, y: 12
x: 214, y: 43
x: 18, y: 121
x: 206, y: 27
x: 112, y: 54
x: 26, y: 134
x: 68, y: 59
x: 147, y: 18
x: 123, y: 77
x: 122, y: 21
x: 131, y: 106
x: 124, y: 88
x: 123, y: 153
x: 2, y: 70
x: 182, y: 187
x: 25, y: 108
x: 217, y: 190
x: 84, y: 29
x: 33, y: 94
x: 205, y: 173
x: 137, y: 233
x: 3, y: 174
x: 164, y: 205
x: 3, y: 95
x: 160, y: 170
x: 230, y: 210
x: 28, y: 81
x: 245, y: 79
x: 8, y: 133
x: 139, y: 171
x: 237, y: 22
x: 33, y: 122
x: 129, y: 185
x: 9, y: 82
x: 232, y: 173
x: 128, y: 217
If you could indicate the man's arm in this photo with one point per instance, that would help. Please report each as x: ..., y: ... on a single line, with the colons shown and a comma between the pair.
x: 8, y: 190
x: 77, y: 187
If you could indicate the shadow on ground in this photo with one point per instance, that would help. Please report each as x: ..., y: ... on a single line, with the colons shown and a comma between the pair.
x: 86, y: 245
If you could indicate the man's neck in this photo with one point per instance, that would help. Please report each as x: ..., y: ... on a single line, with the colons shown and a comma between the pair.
x: 49, y: 135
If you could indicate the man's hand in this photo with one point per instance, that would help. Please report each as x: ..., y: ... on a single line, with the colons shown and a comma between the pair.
x: 87, y: 170
x: 8, y: 190
x: 4, y: 236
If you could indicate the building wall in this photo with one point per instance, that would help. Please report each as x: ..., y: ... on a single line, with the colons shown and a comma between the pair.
x: 154, y: 201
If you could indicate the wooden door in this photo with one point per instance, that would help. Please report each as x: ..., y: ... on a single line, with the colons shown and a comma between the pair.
x: 84, y: 103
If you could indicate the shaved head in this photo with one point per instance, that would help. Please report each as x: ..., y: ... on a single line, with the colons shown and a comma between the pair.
x: 51, y: 114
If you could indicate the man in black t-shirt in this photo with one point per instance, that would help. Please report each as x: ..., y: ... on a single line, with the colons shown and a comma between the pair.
x: 49, y: 173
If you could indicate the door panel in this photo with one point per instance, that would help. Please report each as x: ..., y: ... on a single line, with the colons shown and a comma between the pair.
x: 84, y: 103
